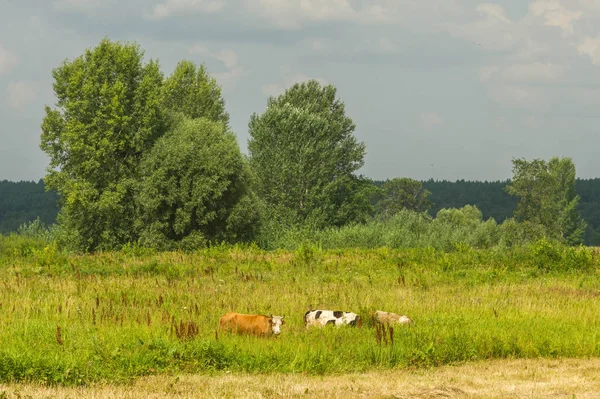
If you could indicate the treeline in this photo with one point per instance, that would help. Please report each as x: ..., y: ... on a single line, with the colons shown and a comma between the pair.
x: 140, y: 158
x: 494, y: 202
x: 24, y: 201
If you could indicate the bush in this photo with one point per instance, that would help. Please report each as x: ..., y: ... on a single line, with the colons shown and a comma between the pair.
x: 406, y: 229
x: 36, y: 229
x: 553, y: 256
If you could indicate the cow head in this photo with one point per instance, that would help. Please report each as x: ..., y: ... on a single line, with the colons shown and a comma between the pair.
x: 276, y: 323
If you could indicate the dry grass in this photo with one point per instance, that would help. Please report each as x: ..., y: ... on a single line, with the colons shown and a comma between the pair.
x: 542, y: 378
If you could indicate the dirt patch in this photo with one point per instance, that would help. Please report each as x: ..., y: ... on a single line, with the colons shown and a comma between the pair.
x: 539, y: 378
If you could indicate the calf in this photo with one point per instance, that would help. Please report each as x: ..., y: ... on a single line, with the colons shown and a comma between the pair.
x: 321, y: 318
x: 255, y: 324
x: 391, y: 318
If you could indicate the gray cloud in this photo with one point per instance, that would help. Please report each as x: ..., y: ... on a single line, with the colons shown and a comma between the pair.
x: 437, y: 88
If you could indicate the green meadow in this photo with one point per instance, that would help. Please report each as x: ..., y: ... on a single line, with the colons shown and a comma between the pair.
x: 112, y: 317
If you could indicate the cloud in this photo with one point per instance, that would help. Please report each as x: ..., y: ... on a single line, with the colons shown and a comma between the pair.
x: 430, y: 120
x: 21, y: 93
x: 554, y: 14
x: 292, y: 14
x: 275, y: 89
x: 183, y: 7
x: 591, y: 47
x: 295, y: 14
x: 73, y: 4
x: 7, y: 60
x: 537, y: 49
x: 318, y: 45
x: 527, y: 97
x: 535, y: 72
x: 229, y: 58
x: 493, y: 11
x: 492, y: 30
x: 386, y: 45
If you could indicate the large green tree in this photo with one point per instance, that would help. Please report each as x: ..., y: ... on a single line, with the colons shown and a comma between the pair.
x: 107, y: 115
x: 547, y: 197
x: 194, y: 188
x: 304, y: 155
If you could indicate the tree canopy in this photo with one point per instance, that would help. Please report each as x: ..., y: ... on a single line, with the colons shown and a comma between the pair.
x: 547, y: 197
x: 193, y: 92
x: 121, y: 133
x: 108, y: 114
x: 192, y: 183
x: 304, y: 155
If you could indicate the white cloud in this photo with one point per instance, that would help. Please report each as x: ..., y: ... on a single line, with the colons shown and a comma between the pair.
x: 229, y: 58
x: 493, y: 11
x: 591, y: 47
x: 492, y: 30
x: 7, y: 60
x: 535, y: 50
x: 294, y: 14
x: 554, y: 14
x: 290, y: 14
x: 275, y: 89
x: 181, y: 7
x: 71, y: 4
x: 386, y: 45
x: 430, y: 120
x: 535, y: 72
x: 318, y: 45
x: 519, y: 96
x: 21, y: 93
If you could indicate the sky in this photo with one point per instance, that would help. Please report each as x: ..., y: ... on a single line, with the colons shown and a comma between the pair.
x: 442, y: 89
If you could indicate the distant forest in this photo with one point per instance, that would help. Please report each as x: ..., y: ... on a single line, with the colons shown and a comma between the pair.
x: 494, y: 202
x: 24, y: 201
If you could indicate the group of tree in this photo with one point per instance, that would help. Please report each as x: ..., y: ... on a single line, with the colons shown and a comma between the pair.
x: 544, y: 194
x: 495, y: 202
x: 139, y: 157
x: 25, y: 201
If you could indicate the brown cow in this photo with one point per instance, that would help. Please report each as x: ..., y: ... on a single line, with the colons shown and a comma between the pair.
x: 256, y: 324
x: 391, y: 318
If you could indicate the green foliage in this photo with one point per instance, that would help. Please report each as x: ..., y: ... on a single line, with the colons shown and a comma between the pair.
x: 554, y: 256
x: 547, y: 197
x: 515, y: 233
x: 490, y: 197
x: 15, y: 245
x: 36, y: 229
x: 303, y: 153
x: 406, y: 229
x: 193, y: 92
x: 24, y: 201
x: 133, y: 158
x: 194, y: 188
x: 402, y: 193
x: 108, y: 114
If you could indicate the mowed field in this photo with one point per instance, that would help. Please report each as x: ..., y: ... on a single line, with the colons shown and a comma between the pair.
x: 110, y: 320
x: 491, y: 379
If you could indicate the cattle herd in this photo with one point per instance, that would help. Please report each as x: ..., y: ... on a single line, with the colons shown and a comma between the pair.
x: 261, y: 325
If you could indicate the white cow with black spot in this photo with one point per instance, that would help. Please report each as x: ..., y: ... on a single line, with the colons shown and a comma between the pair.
x: 320, y: 318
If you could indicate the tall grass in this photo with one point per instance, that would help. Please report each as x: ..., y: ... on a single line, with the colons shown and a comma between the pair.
x: 75, y: 319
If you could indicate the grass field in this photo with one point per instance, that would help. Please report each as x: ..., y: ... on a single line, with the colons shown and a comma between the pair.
x: 112, y: 318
